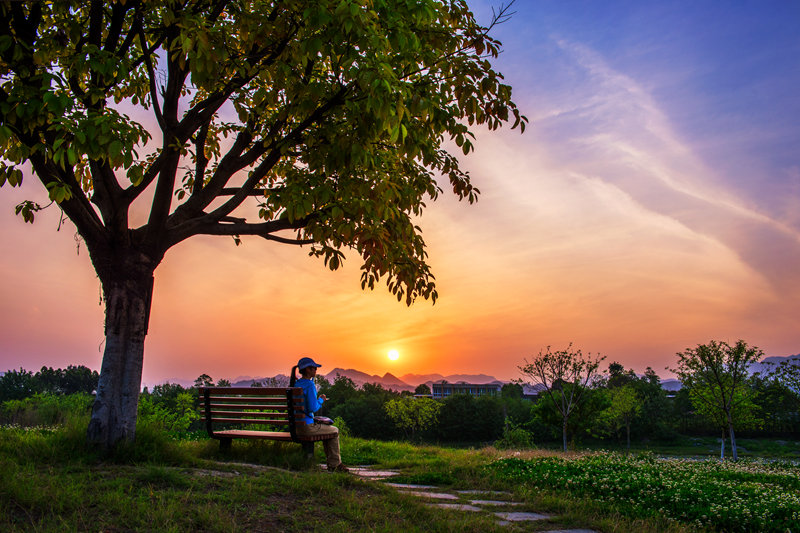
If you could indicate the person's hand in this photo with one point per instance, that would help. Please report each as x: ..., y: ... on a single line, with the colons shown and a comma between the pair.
x: 323, y: 397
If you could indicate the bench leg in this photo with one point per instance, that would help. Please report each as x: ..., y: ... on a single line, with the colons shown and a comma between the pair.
x: 225, y: 444
x: 308, y: 449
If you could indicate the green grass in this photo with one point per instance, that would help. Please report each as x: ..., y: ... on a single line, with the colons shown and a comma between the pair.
x: 51, y: 481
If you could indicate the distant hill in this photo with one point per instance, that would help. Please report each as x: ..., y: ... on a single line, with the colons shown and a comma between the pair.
x: 766, y: 364
x: 409, y: 382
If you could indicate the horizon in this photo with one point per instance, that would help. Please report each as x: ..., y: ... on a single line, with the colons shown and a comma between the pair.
x: 652, y: 205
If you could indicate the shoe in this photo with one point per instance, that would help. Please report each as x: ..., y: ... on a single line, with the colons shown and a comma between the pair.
x: 339, y: 468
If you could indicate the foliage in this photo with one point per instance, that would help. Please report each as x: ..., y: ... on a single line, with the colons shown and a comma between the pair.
x: 752, y: 496
x: 46, y: 409
x: 173, y: 416
x: 338, y: 112
x: 465, y: 418
x: 362, y: 409
x: 514, y: 437
x: 564, y: 371
x: 788, y: 373
x: 422, y: 389
x: 624, y: 404
x: 341, y: 425
x: 716, y: 375
x: 413, y: 415
x: 203, y: 380
x: 19, y: 384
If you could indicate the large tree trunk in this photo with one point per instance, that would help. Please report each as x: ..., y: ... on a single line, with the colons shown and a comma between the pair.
x: 127, y: 295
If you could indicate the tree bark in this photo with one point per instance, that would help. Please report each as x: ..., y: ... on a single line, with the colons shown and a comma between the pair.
x: 127, y: 293
x: 734, y: 453
x: 628, y: 436
x: 564, y: 433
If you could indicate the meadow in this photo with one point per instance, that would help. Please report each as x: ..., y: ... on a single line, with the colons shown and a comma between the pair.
x: 51, y: 481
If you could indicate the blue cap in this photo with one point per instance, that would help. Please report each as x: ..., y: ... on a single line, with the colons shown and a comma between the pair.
x: 306, y: 362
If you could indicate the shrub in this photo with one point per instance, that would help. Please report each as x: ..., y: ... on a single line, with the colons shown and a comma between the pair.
x: 46, y: 409
x: 514, y: 437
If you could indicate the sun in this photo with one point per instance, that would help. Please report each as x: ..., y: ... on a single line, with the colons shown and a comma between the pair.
x: 394, y: 355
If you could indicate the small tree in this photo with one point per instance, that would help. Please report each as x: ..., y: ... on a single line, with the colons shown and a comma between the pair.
x: 413, y: 415
x: 625, y: 405
x: 203, y: 380
x: 716, y: 375
x: 565, y: 376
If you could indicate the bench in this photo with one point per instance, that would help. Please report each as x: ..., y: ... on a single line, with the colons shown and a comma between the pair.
x: 233, y: 412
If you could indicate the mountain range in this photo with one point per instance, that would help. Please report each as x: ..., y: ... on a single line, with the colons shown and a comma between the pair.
x: 407, y: 382
x: 410, y: 382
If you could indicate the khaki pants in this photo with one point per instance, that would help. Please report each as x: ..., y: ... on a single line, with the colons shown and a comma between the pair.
x: 332, y: 456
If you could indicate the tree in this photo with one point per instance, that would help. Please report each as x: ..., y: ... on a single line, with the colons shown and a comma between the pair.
x: 413, y: 415
x: 788, y: 373
x: 625, y: 404
x: 716, y: 375
x: 565, y: 375
x: 17, y: 385
x: 203, y: 380
x: 511, y: 391
x: 422, y: 389
x: 322, y: 119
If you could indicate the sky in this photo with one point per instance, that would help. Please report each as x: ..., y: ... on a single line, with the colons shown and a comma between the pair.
x: 652, y: 204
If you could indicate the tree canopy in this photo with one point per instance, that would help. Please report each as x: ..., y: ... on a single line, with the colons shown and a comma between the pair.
x: 564, y: 375
x: 716, y: 375
x: 324, y: 123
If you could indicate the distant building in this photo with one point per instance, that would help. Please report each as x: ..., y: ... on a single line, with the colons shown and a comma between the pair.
x: 443, y: 389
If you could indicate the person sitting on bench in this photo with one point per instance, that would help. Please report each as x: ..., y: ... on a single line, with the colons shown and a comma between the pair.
x: 308, y: 370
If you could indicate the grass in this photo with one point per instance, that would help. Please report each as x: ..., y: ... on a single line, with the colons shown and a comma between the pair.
x: 743, y: 496
x: 51, y: 481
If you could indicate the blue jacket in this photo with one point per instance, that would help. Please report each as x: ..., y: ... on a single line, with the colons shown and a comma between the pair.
x: 312, y: 403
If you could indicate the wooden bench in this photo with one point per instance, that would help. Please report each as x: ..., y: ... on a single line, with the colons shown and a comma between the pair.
x: 233, y: 412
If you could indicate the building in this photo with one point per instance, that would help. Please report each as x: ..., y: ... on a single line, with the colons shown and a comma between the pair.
x: 442, y: 389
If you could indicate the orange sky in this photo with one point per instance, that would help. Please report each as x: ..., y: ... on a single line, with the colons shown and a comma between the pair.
x: 617, y: 222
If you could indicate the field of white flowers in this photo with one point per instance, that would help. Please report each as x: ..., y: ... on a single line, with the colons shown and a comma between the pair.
x: 721, y: 495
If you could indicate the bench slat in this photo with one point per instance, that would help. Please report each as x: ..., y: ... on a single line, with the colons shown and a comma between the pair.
x: 249, y: 391
x: 249, y: 405
x: 215, y: 412
x: 244, y: 421
x: 268, y: 435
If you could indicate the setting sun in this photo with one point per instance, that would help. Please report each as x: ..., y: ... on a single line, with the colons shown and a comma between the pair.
x: 394, y: 355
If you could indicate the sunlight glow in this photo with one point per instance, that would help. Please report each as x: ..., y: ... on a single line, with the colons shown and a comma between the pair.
x: 394, y: 355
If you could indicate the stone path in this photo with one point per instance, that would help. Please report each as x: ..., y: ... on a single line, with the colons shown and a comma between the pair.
x: 498, y: 503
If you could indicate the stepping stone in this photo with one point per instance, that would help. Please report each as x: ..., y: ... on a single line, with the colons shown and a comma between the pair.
x: 493, y: 502
x: 455, y: 506
x: 372, y: 474
x: 409, y: 486
x: 432, y: 495
x: 508, y: 518
x: 492, y: 492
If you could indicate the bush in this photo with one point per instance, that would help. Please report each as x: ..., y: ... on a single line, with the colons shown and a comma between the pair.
x: 46, y: 409
x: 514, y: 437
x: 172, y: 420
